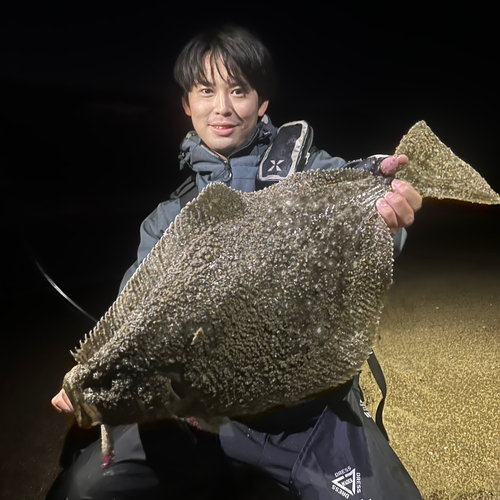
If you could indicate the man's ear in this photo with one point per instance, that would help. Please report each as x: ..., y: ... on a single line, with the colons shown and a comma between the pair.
x: 186, y: 107
x: 262, y: 108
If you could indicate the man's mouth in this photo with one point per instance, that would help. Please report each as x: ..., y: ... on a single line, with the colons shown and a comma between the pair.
x: 223, y: 129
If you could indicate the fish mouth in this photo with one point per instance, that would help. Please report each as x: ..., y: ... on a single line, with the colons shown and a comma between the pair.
x: 86, y: 415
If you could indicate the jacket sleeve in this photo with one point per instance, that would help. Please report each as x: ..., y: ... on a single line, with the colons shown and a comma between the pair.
x: 152, y: 229
x: 321, y: 160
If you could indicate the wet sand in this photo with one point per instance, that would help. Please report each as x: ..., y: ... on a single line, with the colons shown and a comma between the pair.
x: 439, y: 349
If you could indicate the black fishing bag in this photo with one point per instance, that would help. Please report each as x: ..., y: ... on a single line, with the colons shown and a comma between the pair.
x: 347, y: 456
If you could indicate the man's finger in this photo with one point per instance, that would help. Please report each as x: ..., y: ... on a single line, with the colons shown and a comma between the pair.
x: 66, y: 400
x: 61, y: 402
x: 388, y: 214
x: 404, y: 213
x: 409, y: 193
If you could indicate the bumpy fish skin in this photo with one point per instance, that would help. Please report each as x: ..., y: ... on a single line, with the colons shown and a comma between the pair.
x: 251, y: 302
x: 248, y: 302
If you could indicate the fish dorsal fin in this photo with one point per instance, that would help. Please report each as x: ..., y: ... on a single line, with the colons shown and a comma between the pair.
x: 216, y: 203
x: 436, y: 172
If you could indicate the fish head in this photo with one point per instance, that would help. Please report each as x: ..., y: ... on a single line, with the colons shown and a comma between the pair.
x: 118, y: 397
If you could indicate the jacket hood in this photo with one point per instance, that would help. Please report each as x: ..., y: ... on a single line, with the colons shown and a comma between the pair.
x: 200, y: 158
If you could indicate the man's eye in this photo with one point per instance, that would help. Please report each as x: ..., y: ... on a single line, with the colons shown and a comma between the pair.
x: 239, y: 91
x: 206, y: 91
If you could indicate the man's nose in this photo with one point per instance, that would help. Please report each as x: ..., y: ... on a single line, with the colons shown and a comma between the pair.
x: 223, y: 104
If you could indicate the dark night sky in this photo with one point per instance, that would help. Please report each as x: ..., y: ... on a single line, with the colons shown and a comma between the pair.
x: 91, y: 119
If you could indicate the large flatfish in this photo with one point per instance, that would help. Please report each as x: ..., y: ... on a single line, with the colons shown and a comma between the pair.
x: 252, y: 302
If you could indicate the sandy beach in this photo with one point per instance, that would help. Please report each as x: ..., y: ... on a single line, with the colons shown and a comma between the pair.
x: 439, y: 348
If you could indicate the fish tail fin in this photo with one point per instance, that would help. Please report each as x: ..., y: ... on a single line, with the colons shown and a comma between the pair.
x: 436, y: 172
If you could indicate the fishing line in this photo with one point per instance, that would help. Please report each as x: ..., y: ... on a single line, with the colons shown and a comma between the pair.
x: 53, y: 284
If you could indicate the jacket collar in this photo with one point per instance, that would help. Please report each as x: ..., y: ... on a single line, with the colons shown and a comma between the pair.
x: 200, y: 158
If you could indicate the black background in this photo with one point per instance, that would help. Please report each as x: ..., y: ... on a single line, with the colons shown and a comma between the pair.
x: 91, y: 117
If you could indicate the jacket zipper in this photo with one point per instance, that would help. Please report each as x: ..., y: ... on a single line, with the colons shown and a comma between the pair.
x: 227, y: 175
x: 228, y: 172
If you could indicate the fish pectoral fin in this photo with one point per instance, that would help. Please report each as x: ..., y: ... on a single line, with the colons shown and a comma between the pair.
x: 198, y: 336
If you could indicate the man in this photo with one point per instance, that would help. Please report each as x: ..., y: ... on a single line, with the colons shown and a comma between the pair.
x: 227, y: 77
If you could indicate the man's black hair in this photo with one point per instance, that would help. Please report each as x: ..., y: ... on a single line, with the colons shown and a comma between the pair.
x: 245, y: 58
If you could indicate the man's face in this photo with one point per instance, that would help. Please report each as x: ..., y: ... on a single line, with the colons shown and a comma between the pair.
x: 224, y: 112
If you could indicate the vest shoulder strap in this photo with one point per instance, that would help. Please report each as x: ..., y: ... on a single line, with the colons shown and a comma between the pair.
x: 288, y: 153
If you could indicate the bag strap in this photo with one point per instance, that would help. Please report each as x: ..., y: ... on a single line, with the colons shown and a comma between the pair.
x: 288, y: 153
x: 186, y: 192
x: 189, y: 195
x: 378, y: 374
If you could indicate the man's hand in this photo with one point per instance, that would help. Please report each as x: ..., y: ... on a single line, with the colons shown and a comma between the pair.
x: 398, y: 208
x: 61, y: 402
